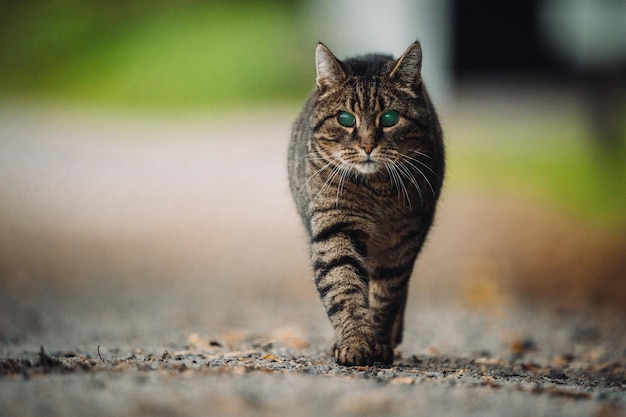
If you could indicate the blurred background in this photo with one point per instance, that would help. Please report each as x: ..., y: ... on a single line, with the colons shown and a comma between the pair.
x: 191, y: 56
x: 143, y: 143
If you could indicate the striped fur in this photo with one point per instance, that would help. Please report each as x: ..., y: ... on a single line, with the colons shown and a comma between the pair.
x: 366, y: 193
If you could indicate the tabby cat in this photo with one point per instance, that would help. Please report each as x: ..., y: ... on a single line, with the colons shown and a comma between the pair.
x: 366, y: 163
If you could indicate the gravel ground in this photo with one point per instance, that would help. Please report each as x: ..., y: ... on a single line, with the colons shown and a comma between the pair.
x: 157, y: 267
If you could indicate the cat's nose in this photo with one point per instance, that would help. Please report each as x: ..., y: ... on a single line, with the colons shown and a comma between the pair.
x: 367, y: 137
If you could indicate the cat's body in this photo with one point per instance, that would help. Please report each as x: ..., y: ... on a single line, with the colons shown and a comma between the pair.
x: 366, y: 162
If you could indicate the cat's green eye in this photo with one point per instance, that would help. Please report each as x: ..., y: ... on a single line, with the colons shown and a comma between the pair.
x: 346, y: 119
x: 389, y: 118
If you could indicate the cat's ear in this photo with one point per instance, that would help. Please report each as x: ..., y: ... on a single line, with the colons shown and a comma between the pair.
x: 330, y: 72
x: 409, y: 67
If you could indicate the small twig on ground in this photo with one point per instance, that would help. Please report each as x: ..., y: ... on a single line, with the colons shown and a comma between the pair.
x: 46, y: 361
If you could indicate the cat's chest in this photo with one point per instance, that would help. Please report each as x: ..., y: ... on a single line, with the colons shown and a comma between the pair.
x: 386, y: 221
x: 380, y: 203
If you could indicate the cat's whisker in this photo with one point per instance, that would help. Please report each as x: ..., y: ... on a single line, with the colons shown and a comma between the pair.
x: 313, y: 156
x: 425, y: 155
x: 422, y: 174
x: 409, y: 175
x: 421, y: 163
x: 328, y: 181
x: 397, y: 179
x: 316, y: 173
x: 346, y: 170
x: 334, y: 173
x: 409, y: 160
x: 341, y: 176
x: 392, y: 177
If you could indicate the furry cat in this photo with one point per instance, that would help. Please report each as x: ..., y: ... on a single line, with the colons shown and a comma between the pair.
x: 366, y: 164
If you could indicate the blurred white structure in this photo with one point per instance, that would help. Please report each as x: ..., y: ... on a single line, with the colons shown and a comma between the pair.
x: 356, y: 27
x: 588, y: 33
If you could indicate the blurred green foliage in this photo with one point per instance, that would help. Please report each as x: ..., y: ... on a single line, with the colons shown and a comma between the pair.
x: 557, y: 163
x: 144, y: 53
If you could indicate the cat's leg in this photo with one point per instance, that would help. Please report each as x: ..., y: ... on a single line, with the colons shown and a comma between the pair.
x: 398, y: 324
x: 342, y: 281
x: 388, y: 294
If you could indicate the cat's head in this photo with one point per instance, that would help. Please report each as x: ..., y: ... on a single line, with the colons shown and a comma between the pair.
x: 371, y: 113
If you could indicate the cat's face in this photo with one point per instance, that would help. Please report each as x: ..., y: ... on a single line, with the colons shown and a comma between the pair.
x: 370, y: 114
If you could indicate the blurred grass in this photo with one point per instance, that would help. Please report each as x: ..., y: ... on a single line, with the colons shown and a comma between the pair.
x: 560, y: 165
x: 163, y: 54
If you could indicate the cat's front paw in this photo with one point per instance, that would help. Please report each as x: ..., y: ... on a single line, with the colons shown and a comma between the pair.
x: 360, y: 352
x: 355, y: 352
x: 384, y: 354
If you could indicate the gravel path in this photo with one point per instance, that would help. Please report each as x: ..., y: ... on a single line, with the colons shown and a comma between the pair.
x: 157, y: 268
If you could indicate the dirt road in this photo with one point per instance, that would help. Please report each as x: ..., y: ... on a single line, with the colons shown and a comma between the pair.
x: 157, y: 267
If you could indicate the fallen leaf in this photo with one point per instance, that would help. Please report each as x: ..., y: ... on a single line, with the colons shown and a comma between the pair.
x: 489, y: 361
x: 271, y: 358
x: 402, y: 380
x: 532, y: 367
x: 522, y: 347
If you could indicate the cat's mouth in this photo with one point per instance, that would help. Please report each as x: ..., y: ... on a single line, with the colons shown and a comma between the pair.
x: 368, y: 166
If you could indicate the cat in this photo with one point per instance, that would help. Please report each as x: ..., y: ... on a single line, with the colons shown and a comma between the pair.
x: 366, y: 164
